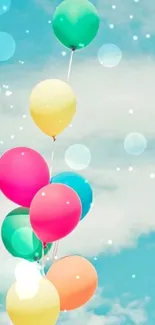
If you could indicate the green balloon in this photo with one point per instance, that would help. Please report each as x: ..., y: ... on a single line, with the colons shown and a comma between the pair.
x: 76, y: 23
x: 18, y: 236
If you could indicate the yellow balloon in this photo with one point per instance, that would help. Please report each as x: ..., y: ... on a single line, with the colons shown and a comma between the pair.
x: 42, y: 309
x: 52, y: 106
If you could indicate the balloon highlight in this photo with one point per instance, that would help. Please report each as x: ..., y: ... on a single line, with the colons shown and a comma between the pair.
x: 7, y: 45
x: 18, y: 236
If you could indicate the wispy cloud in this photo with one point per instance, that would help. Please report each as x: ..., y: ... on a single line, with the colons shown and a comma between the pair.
x: 124, y: 201
x: 134, y: 311
x: 101, y: 122
x: 118, y: 314
x: 103, y: 102
x: 142, y: 12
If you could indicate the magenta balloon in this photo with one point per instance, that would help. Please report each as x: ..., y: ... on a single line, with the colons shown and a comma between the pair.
x: 54, y: 212
x: 23, y: 172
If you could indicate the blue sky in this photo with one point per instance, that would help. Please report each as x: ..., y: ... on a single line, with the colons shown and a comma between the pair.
x: 41, y: 43
x: 118, y: 235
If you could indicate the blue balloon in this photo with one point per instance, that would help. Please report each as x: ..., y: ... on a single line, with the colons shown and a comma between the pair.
x: 80, y: 185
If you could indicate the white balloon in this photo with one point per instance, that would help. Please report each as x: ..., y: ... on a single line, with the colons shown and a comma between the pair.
x: 27, y: 271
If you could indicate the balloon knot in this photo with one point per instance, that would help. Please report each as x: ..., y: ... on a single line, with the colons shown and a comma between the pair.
x: 54, y: 138
x: 44, y: 245
x: 73, y: 48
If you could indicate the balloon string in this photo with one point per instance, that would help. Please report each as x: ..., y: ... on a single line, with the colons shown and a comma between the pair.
x: 55, y: 251
x: 56, y: 244
x: 70, y: 65
x: 52, y: 157
x: 51, y: 170
x: 42, y: 261
x: 56, y: 248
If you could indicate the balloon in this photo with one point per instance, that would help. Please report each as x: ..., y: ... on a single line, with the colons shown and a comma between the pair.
x: 42, y: 309
x: 80, y: 185
x: 23, y: 171
x: 76, y: 23
x: 19, y: 238
x: 75, y: 279
x: 52, y: 106
x: 55, y: 211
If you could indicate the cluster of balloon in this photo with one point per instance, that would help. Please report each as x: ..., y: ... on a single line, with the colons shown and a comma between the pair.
x: 50, y: 207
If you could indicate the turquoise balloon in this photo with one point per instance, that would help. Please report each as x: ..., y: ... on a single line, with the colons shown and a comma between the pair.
x: 80, y: 185
x: 18, y: 236
x: 75, y: 23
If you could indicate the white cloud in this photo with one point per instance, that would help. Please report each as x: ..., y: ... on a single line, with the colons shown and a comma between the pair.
x: 134, y: 311
x: 124, y: 201
x: 119, y: 215
x: 103, y: 101
x: 142, y: 12
x: 118, y: 315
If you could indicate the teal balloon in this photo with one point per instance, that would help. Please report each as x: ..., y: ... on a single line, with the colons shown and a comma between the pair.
x: 80, y: 185
x: 76, y: 23
x: 19, y: 238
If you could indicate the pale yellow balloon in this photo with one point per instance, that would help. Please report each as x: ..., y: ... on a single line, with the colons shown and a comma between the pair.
x: 42, y: 309
x: 52, y: 106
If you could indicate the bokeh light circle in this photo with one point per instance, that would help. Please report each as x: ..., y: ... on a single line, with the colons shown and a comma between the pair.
x: 109, y: 55
x: 4, y: 6
x: 22, y: 247
x: 78, y: 157
x: 135, y: 144
x: 7, y: 46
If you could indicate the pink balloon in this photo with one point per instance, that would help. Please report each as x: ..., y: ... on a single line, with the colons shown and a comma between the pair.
x: 23, y: 172
x: 54, y: 212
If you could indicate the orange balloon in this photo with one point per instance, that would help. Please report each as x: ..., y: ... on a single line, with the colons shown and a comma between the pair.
x: 75, y: 279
